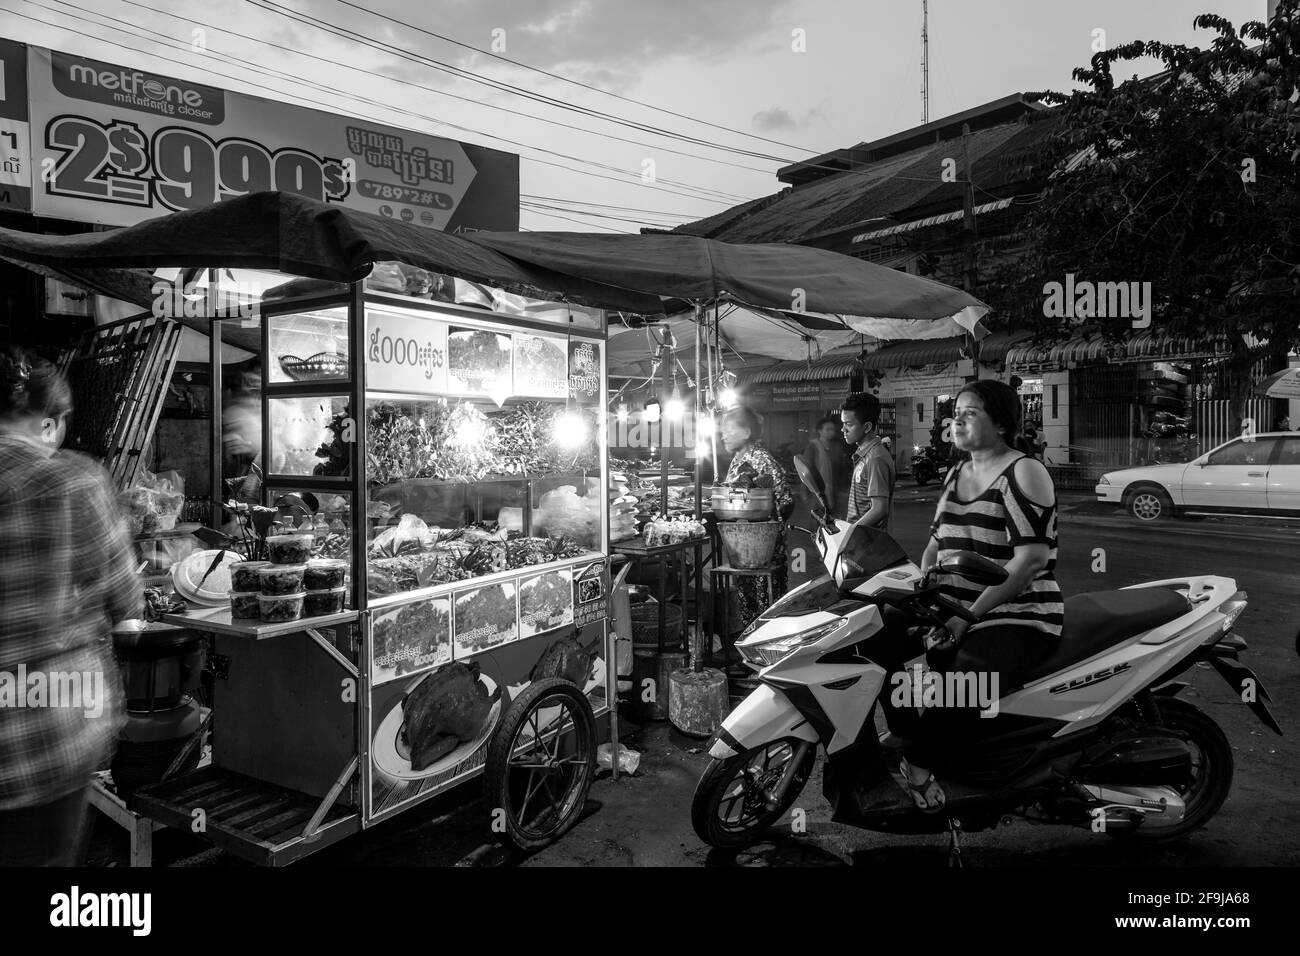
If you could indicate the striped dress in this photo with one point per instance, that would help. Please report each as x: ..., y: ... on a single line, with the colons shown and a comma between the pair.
x: 992, y: 525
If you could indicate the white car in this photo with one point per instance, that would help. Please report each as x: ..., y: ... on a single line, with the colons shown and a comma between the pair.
x: 1257, y: 475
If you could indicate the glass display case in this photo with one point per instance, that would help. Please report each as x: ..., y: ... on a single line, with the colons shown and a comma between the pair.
x: 480, y: 443
x: 479, y: 461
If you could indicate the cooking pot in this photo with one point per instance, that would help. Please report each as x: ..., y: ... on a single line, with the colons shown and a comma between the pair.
x: 741, y: 504
x: 160, y: 663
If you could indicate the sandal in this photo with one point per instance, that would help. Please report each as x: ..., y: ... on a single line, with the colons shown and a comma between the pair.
x: 928, y: 795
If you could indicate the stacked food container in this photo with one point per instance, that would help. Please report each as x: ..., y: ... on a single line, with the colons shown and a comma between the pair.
x: 289, y: 586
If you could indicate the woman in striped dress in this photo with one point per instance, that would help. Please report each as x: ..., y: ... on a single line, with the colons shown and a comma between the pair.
x: 1000, y: 503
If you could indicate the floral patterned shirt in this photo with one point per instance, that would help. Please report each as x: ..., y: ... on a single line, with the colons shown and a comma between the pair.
x: 762, y: 462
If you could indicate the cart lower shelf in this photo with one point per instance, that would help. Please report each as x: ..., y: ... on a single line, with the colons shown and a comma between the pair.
x: 253, y: 820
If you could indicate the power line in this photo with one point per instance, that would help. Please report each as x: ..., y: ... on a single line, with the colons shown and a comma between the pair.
x: 499, y: 85
x: 395, y: 79
x: 701, y: 193
x: 564, y: 79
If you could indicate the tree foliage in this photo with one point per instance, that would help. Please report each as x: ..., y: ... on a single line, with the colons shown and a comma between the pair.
x: 1188, y: 180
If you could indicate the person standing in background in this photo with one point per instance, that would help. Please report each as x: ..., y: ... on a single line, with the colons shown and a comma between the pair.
x: 871, y: 493
x: 829, y: 457
x: 66, y: 577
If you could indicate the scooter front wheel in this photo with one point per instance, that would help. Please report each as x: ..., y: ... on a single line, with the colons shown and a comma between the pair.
x: 735, y: 798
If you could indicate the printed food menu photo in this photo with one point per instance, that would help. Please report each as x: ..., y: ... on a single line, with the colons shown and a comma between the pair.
x: 431, y: 730
x: 546, y: 602
x: 411, y: 638
x: 484, y: 618
x: 479, y: 362
x: 540, y: 366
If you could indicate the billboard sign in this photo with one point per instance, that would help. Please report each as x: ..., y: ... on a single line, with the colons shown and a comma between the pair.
x: 117, y: 146
x: 15, y: 139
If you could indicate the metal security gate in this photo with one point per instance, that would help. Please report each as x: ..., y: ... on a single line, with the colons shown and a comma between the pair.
x: 1103, y: 417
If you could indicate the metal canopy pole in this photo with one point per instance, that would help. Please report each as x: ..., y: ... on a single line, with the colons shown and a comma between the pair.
x: 697, y: 649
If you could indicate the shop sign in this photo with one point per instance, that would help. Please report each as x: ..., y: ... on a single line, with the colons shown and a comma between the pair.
x: 118, y: 146
x: 760, y: 396
x: 591, y: 594
x: 15, y: 137
x: 405, y: 353
x: 584, y: 373
x: 802, y: 396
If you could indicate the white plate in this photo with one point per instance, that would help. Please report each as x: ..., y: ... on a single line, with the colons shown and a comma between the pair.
x: 384, y: 750
x: 215, y: 591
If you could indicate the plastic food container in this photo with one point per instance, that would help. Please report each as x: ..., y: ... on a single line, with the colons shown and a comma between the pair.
x: 325, y: 574
x: 278, y: 579
x: 330, y: 601
x: 244, y: 606
x: 290, y: 548
x: 277, y: 608
x: 243, y: 576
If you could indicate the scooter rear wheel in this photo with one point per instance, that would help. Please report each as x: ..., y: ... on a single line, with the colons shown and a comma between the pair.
x: 732, y: 804
x: 1212, y: 768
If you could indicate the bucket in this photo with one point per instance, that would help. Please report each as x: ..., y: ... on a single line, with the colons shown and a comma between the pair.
x: 645, y: 625
x: 749, y: 544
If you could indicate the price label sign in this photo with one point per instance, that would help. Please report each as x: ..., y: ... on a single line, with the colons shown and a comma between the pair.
x: 117, y: 146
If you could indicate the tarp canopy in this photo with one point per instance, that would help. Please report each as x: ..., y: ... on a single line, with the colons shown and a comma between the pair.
x: 811, y: 294
x: 298, y: 236
x: 798, y: 279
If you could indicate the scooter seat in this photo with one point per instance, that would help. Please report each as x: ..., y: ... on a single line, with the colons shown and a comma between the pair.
x: 1099, y: 620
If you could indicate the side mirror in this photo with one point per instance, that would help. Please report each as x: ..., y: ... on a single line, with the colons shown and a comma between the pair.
x: 812, y: 481
x: 974, y: 568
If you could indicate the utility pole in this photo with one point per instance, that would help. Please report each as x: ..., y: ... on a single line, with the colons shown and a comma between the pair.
x: 925, y: 62
x: 968, y: 236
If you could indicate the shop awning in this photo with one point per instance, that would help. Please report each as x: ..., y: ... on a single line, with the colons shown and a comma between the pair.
x: 931, y: 221
x: 993, y: 350
x: 1145, y: 346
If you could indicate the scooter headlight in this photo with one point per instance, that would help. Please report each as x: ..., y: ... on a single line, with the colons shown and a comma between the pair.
x: 776, y: 650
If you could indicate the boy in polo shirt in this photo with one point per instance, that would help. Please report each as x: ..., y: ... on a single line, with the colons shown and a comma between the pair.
x: 871, y: 493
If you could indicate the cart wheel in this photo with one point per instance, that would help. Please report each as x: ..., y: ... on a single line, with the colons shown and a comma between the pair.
x: 541, y: 763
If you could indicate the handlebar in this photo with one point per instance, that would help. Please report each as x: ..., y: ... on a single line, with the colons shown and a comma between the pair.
x: 952, y: 607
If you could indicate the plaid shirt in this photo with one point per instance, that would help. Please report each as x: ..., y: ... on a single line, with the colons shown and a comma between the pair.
x: 66, y: 576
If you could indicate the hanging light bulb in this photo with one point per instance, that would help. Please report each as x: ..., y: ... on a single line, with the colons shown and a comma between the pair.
x: 675, y: 407
x: 704, y: 435
x: 727, y: 398
x: 621, y: 411
x: 652, y: 410
x: 570, y: 429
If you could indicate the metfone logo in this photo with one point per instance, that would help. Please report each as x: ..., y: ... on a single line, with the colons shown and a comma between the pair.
x: 98, y: 82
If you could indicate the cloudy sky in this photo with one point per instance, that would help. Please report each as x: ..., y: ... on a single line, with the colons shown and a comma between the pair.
x: 743, y: 86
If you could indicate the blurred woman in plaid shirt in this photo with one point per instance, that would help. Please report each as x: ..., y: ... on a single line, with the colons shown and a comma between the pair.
x: 65, y: 578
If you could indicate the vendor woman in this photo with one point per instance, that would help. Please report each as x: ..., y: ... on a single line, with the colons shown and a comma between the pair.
x: 740, y: 430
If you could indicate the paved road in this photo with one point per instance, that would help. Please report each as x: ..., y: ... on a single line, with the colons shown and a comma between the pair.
x: 644, y: 820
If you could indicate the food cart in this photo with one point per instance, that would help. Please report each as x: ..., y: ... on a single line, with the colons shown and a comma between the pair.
x: 457, y: 459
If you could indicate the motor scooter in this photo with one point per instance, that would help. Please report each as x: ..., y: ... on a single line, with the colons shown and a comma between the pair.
x: 1096, y: 737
